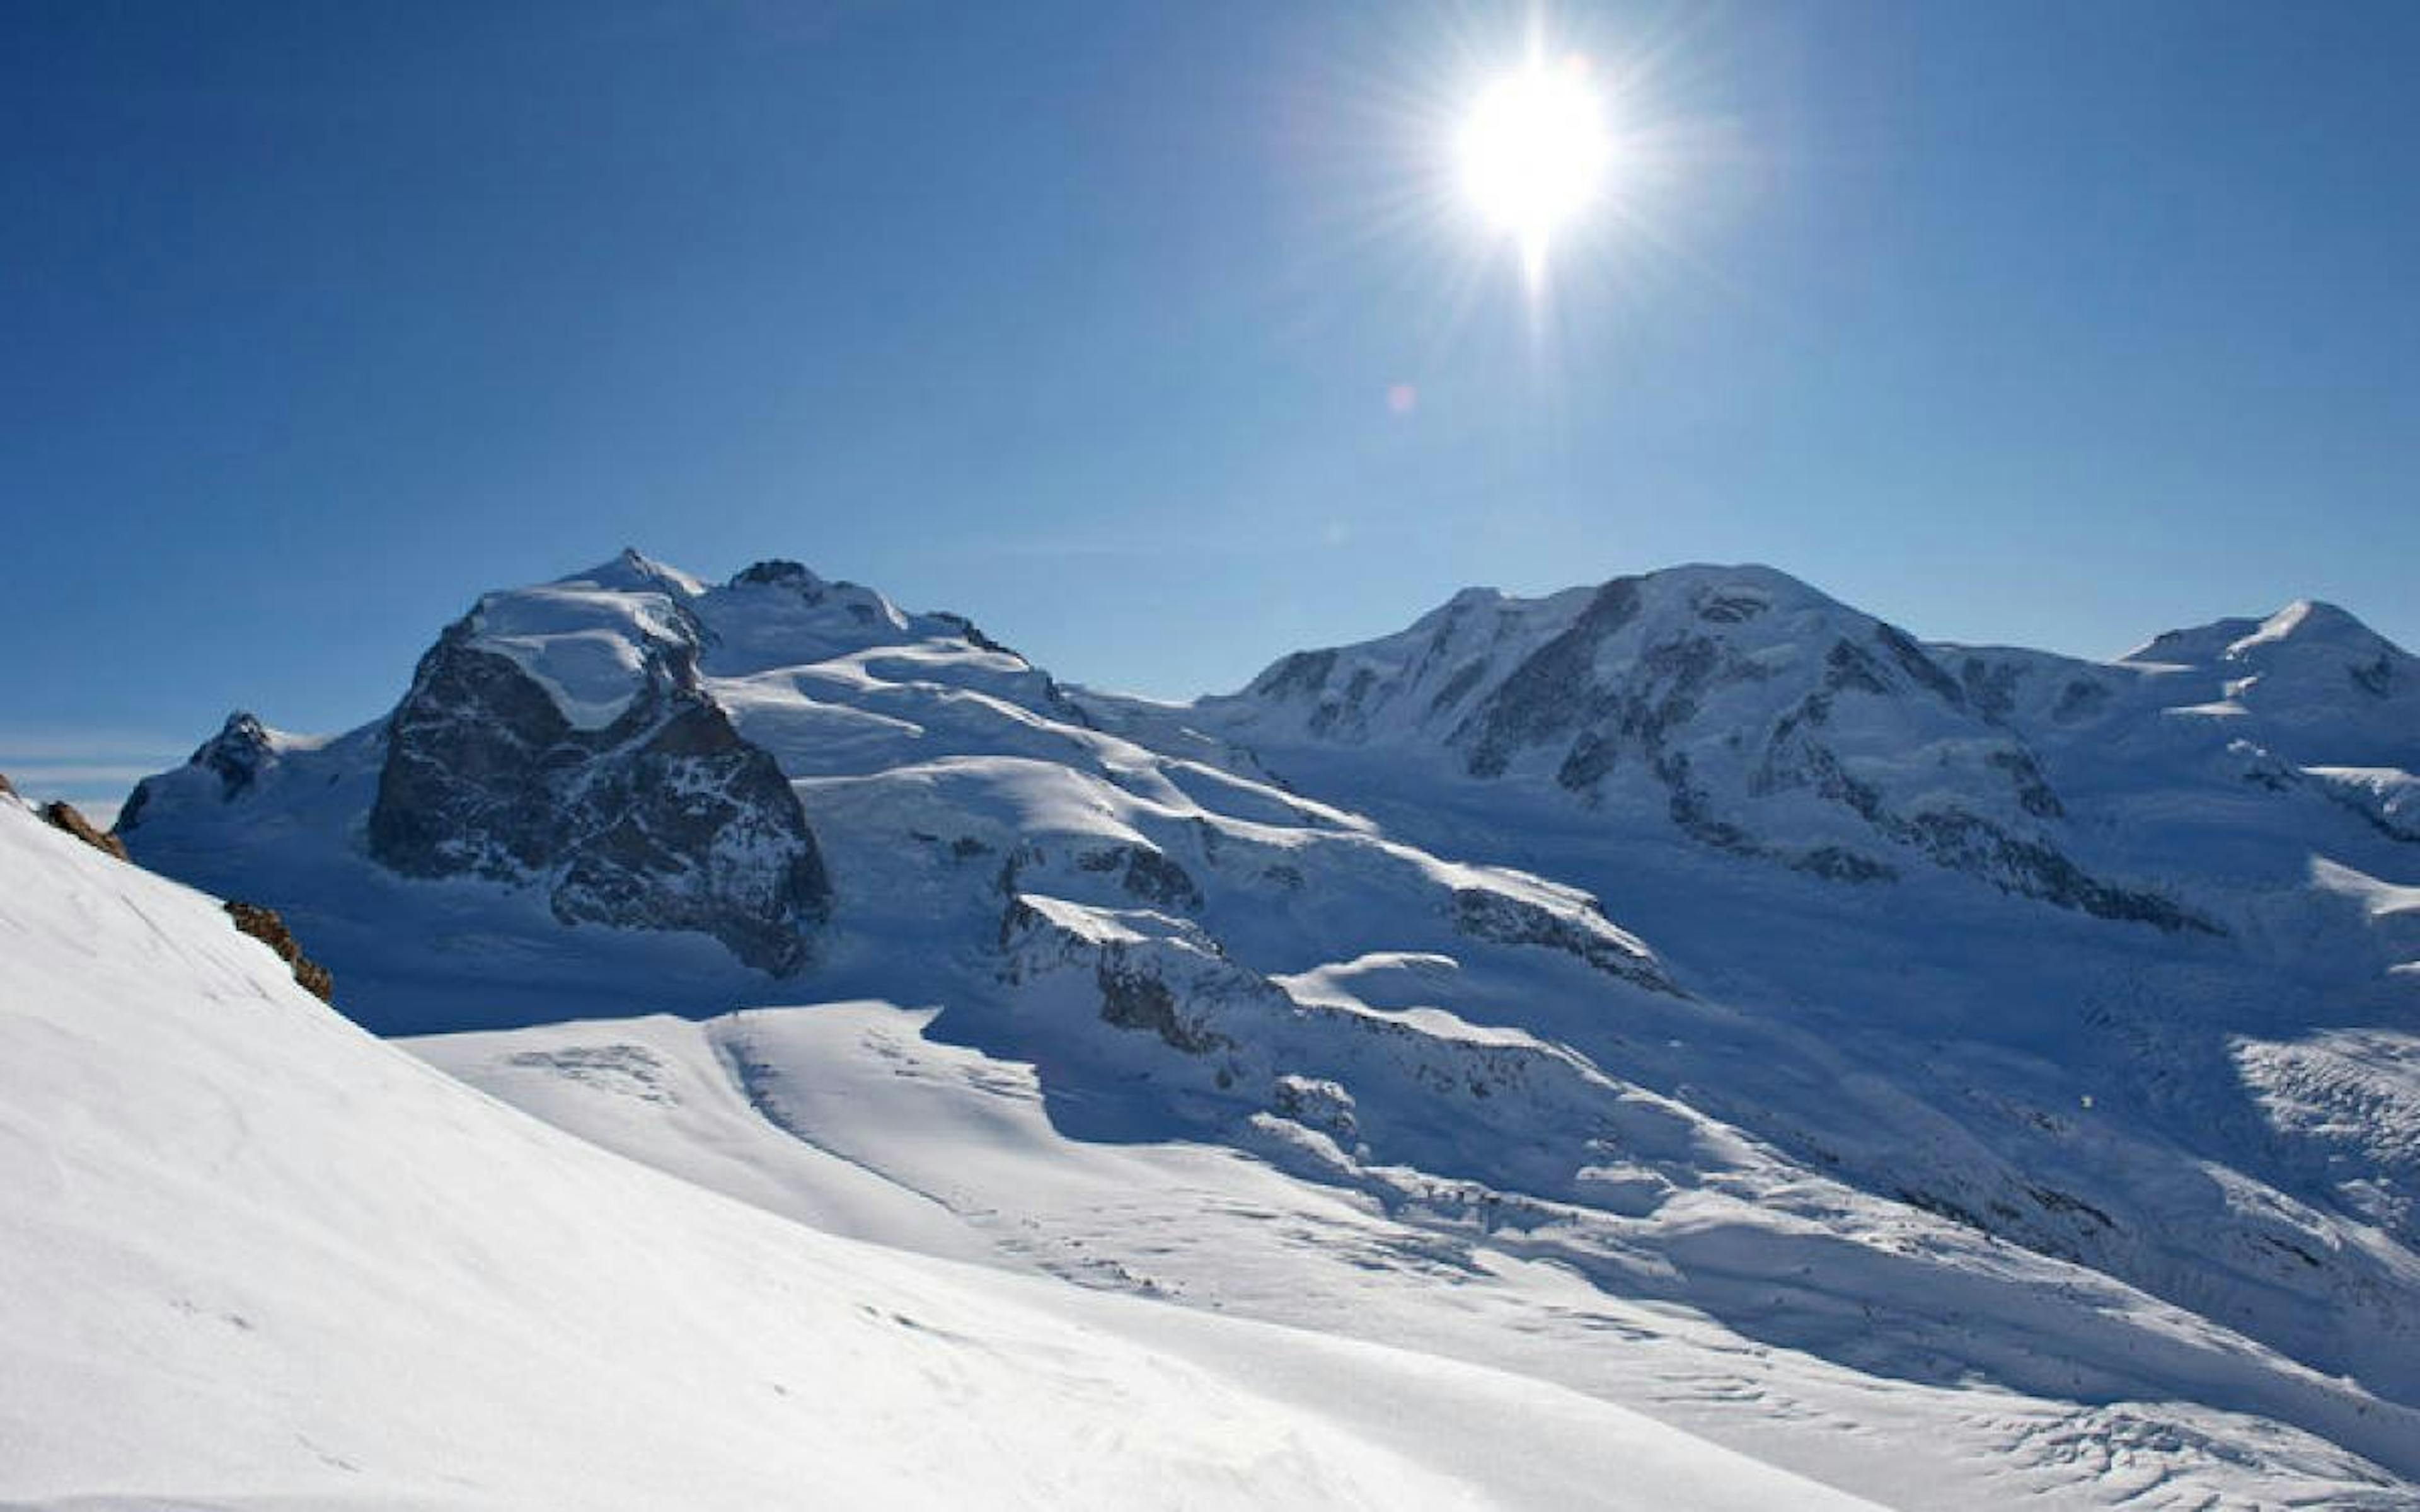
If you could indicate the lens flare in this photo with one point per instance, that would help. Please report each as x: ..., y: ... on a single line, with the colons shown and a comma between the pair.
x: 1533, y: 153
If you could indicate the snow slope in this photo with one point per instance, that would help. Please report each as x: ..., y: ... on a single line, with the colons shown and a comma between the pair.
x: 251, y: 1257
x: 1956, y: 1017
x: 848, y: 1115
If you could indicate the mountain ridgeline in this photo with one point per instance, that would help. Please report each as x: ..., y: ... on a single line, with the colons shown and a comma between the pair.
x: 562, y: 739
x: 1693, y: 903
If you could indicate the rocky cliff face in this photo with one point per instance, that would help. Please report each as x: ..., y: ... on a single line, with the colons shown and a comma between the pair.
x: 662, y: 818
x: 558, y: 740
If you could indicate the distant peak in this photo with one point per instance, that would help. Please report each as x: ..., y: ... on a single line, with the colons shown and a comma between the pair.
x: 2305, y: 620
x: 776, y: 570
x: 237, y: 753
x: 631, y: 571
x: 246, y: 726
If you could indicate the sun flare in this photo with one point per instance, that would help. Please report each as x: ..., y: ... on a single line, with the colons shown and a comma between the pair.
x: 1533, y: 153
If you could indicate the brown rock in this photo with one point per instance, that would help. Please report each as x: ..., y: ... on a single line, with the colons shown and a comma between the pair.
x: 263, y: 924
x: 64, y: 816
x: 6, y: 789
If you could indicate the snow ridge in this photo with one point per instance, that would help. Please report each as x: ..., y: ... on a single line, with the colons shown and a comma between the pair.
x: 1948, y: 1015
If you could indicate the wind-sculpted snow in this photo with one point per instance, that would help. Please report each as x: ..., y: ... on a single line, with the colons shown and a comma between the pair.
x: 253, y: 1258
x: 1880, y: 1348
x: 1939, y: 1017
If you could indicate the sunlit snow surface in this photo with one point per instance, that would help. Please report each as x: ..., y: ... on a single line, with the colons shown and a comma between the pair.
x: 251, y: 1257
x: 1942, y: 1196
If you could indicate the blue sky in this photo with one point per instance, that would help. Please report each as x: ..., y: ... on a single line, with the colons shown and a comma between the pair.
x: 2053, y: 323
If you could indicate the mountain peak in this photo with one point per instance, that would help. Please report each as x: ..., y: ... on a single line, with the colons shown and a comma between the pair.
x: 774, y: 570
x: 631, y: 571
x: 2308, y: 621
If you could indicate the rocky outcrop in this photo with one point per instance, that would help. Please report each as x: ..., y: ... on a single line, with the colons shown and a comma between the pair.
x: 662, y: 819
x: 63, y: 816
x: 237, y: 754
x: 1147, y: 875
x: 1508, y: 921
x: 265, y: 925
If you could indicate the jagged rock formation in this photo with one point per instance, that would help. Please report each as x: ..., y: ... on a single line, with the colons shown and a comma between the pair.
x: 64, y: 816
x: 662, y: 818
x: 263, y: 924
x: 236, y: 758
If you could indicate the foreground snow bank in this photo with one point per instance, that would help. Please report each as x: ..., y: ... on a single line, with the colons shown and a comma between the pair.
x: 251, y: 1257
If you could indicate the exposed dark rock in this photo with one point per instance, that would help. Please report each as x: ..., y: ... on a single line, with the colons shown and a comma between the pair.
x: 8, y: 789
x: 1134, y: 997
x: 2080, y: 699
x: 2063, y: 1202
x: 1315, y: 1103
x: 779, y: 570
x: 63, y: 816
x: 2034, y: 793
x: 1547, y: 696
x: 664, y: 818
x: 1154, y: 878
x: 265, y: 925
x: 1508, y: 921
x: 974, y: 636
x: 1916, y: 663
x: 1149, y: 877
x: 1457, y: 688
x: 1838, y: 864
x: 1303, y: 673
x: 2376, y: 678
x: 1730, y: 609
x: 1351, y: 712
x: 1848, y: 666
x: 1991, y: 686
x: 237, y: 754
x: 1591, y: 758
x: 1967, y: 842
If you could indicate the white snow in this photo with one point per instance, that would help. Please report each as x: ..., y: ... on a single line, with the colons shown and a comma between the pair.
x: 251, y: 1257
x: 1944, y: 1196
x: 585, y: 646
x: 851, y: 1115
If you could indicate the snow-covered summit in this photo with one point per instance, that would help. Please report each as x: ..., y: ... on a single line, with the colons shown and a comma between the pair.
x: 1754, y: 713
x: 1690, y: 903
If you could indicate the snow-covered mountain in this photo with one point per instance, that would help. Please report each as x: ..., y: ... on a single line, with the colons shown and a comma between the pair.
x: 1692, y: 962
x: 251, y: 1257
x: 1758, y: 717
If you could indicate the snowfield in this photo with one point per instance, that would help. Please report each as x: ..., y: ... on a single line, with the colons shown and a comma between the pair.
x: 1958, y: 1075
x: 251, y: 1257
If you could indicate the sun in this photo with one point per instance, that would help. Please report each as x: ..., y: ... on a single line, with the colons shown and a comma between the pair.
x: 1533, y: 153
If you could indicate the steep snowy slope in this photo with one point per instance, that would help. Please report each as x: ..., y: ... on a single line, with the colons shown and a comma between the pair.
x: 250, y: 1257
x: 1701, y: 748
x: 1705, y: 906
x: 1873, y: 1349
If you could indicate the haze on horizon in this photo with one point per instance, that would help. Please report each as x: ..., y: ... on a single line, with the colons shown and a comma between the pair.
x: 1147, y: 336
